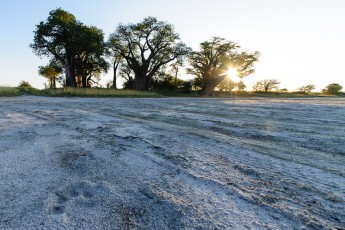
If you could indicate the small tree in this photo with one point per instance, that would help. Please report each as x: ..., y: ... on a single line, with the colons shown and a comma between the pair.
x: 187, y: 86
x: 227, y: 85
x: 332, y: 88
x: 109, y: 84
x: 266, y: 85
x: 24, y: 84
x: 126, y: 73
x: 241, y: 86
x: 165, y: 81
x: 167, y: 77
x: 306, y: 88
x: 50, y: 72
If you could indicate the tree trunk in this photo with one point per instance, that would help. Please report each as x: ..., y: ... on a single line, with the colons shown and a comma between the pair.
x: 176, y: 68
x: 84, y: 81
x: 116, y: 64
x: 114, y: 82
x: 210, y: 84
x: 141, y: 81
x: 70, y: 73
x: 51, y: 83
x: 114, y: 79
x: 207, y: 90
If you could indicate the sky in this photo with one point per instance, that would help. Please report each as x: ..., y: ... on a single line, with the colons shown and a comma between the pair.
x: 301, y: 41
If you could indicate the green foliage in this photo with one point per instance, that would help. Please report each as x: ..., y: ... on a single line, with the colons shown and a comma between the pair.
x: 57, y: 39
x: 50, y: 72
x: 9, y: 91
x: 186, y: 86
x: 109, y: 85
x: 126, y: 73
x: 226, y: 85
x: 165, y: 81
x: 306, y: 88
x: 266, y: 85
x: 29, y: 90
x: 75, y: 46
x: 333, y: 88
x: 24, y: 84
x: 241, y: 86
x: 90, y: 61
x: 24, y: 87
x: 272, y: 94
x: 216, y: 56
x: 146, y: 47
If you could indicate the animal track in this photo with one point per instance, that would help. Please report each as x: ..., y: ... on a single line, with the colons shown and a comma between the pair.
x: 58, y: 210
x: 79, y: 195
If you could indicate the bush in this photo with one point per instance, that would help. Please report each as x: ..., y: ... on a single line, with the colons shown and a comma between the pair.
x: 187, y: 86
x: 166, y: 82
x: 24, y: 84
x: 306, y: 89
x: 333, y: 88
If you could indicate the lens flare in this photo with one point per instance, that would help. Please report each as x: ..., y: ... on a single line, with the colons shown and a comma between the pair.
x: 232, y: 72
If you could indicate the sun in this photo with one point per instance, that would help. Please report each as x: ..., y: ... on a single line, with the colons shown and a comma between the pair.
x: 232, y: 72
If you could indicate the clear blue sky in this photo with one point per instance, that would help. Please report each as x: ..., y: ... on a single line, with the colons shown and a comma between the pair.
x: 301, y: 41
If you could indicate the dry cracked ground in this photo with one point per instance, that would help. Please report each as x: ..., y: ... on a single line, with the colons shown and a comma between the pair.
x: 172, y: 163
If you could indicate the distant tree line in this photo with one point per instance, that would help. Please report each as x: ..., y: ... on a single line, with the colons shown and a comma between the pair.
x: 148, y: 54
x: 271, y: 85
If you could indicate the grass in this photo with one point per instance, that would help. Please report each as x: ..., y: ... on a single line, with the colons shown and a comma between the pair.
x: 87, y: 92
x: 94, y: 92
x: 9, y: 92
x: 177, y: 93
x: 270, y: 94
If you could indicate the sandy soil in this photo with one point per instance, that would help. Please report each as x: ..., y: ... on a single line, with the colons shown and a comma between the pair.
x: 176, y: 163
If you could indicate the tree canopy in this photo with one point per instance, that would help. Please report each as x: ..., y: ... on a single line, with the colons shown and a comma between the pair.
x: 69, y: 42
x: 333, y: 88
x: 146, y: 47
x: 50, y: 72
x: 139, y: 52
x: 266, y: 85
x: 211, y: 63
x: 90, y: 59
x: 306, y: 88
x: 24, y: 84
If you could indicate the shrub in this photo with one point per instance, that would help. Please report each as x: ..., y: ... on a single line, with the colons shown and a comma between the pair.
x: 24, y: 84
x: 332, y: 88
x: 306, y: 89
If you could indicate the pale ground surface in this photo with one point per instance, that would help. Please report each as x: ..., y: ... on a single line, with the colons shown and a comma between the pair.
x: 172, y: 163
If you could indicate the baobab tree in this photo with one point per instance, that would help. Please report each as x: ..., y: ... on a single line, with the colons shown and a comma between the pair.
x: 211, y: 64
x: 146, y: 47
x: 266, y: 85
x: 63, y: 38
